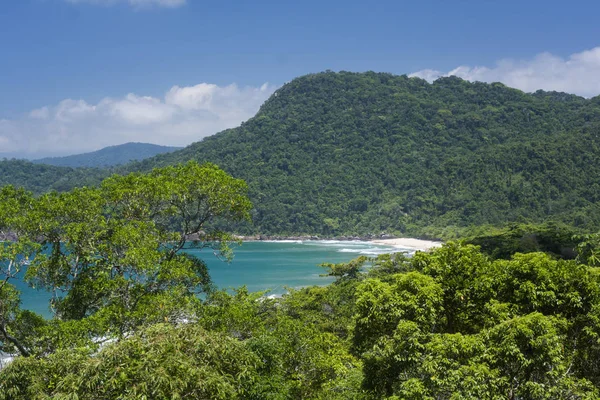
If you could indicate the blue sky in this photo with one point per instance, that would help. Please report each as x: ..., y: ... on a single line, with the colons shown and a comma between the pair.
x: 94, y: 59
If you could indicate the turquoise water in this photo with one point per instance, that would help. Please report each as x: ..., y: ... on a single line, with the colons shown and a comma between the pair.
x: 260, y: 266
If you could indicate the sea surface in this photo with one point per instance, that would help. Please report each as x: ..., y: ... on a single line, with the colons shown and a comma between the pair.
x: 265, y: 265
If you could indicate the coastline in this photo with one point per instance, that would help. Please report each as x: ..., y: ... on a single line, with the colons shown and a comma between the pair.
x: 417, y: 244
x: 404, y: 242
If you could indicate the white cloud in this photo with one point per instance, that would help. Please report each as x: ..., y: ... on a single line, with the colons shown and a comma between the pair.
x: 134, y: 3
x: 579, y: 73
x: 139, y: 110
x: 183, y: 116
x: 72, y: 110
x: 40, y: 113
x: 196, y: 97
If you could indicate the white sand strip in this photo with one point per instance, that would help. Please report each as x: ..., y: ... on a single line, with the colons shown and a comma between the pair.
x: 416, y: 244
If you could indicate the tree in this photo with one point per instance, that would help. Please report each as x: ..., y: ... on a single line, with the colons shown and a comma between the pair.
x: 588, y: 249
x: 112, y: 254
x: 345, y: 271
x: 161, y: 361
x: 455, y: 324
x: 15, y: 254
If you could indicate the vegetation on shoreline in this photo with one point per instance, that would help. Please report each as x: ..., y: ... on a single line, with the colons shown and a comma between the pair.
x: 451, y: 323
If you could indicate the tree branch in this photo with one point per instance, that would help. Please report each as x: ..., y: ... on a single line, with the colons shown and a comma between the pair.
x: 24, y: 352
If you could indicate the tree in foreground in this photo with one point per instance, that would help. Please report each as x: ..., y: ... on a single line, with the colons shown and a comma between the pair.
x: 449, y: 324
x: 458, y: 325
x: 112, y: 255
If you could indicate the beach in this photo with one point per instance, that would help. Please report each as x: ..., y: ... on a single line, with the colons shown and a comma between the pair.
x: 417, y: 244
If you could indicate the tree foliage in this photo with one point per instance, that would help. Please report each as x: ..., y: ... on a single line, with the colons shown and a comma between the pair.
x: 465, y: 326
x: 449, y: 324
x: 111, y: 255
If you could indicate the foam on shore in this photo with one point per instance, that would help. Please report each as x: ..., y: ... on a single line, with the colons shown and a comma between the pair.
x: 417, y: 244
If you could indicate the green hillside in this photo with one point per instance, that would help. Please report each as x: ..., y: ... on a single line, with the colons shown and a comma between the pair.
x: 339, y: 153
x: 109, y: 156
x: 40, y: 178
x: 364, y: 153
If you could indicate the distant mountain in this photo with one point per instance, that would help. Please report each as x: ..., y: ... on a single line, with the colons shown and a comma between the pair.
x: 109, y: 156
x: 358, y: 153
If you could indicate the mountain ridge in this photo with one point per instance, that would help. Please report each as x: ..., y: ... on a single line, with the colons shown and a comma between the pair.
x: 108, y: 156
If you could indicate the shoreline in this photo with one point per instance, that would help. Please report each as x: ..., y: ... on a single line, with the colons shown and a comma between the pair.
x: 402, y: 242
x: 417, y: 244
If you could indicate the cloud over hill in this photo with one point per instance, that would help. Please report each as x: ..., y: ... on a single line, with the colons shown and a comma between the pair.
x: 579, y: 73
x: 182, y: 116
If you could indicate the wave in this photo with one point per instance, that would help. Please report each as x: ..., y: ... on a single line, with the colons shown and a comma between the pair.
x: 367, y: 252
x: 375, y: 251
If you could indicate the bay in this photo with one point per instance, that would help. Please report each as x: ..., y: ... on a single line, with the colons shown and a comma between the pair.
x: 260, y: 266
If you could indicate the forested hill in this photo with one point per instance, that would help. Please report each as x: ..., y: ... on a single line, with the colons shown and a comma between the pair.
x: 40, y: 178
x: 370, y: 152
x: 334, y: 153
x: 109, y: 156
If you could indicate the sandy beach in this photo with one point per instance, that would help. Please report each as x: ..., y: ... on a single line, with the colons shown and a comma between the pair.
x: 417, y: 244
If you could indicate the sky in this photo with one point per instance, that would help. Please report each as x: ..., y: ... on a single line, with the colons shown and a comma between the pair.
x: 79, y: 75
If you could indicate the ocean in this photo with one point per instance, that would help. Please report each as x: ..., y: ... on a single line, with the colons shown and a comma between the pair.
x: 265, y: 265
